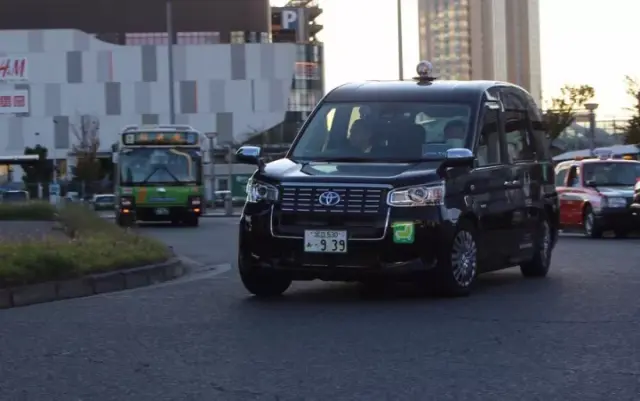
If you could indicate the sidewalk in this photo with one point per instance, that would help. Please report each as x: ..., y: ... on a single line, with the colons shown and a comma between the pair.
x: 220, y: 212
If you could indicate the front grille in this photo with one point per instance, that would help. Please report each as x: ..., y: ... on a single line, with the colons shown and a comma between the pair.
x: 352, y: 200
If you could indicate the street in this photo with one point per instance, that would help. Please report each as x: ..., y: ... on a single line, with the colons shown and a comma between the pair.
x: 572, y: 336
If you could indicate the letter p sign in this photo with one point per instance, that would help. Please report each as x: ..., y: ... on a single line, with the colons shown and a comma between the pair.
x: 290, y: 19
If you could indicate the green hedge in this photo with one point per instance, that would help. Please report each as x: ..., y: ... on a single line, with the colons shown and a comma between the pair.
x: 95, y: 245
x: 27, y: 211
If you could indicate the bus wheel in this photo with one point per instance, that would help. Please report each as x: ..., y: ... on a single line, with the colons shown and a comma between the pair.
x: 192, y: 221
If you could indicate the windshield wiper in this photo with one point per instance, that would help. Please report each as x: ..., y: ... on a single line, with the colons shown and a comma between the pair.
x: 156, y: 170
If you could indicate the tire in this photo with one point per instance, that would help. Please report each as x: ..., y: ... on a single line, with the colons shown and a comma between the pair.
x: 621, y: 233
x: 192, y: 221
x: 591, y: 228
x: 543, y: 246
x: 458, y: 266
x: 263, y: 284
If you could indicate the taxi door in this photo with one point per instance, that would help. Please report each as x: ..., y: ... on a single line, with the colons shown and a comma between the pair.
x: 561, y: 188
x: 572, y: 199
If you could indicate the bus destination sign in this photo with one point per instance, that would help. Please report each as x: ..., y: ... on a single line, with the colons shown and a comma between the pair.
x: 160, y: 138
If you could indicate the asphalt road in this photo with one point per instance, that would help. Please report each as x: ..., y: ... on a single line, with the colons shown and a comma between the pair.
x: 573, y: 336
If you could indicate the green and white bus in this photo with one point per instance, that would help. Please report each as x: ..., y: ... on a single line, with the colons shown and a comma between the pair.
x: 159, y: 174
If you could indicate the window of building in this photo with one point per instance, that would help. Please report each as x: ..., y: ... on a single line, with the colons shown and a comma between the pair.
x: 237, y: 37
x: 305, y: 70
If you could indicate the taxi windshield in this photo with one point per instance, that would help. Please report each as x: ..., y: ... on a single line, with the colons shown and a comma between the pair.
x: 383, y: 131
x: 611, y: 173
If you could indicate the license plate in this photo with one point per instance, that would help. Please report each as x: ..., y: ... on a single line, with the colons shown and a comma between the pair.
x: 162, y: 211
x: 325, y: 241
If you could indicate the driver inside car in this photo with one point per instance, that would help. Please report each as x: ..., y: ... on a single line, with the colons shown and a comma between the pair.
x: 454, y: 133
x: 361, y: 136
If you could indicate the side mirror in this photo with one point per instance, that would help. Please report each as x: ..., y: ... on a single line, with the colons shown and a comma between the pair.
x: 456, y: 157
x: 249, y: 155
x: 590, y: 183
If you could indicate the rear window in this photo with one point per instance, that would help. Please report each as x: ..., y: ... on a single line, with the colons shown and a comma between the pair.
x: 106, y: 199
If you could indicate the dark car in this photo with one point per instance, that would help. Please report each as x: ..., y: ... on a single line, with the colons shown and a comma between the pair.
x: 597, y: 195
x: 14, y: 196
x: 428, y: 181
x: 103, y: 202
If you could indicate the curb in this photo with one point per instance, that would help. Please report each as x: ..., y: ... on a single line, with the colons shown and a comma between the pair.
x: 92, y: 284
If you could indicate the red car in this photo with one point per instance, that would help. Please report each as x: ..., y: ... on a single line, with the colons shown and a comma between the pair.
x: 596, y: 195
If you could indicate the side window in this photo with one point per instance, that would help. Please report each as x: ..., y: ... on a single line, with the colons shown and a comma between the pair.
x: 561, y: 176
x: 520, y: 145
x: 488, y: 152
x: 574, y: 177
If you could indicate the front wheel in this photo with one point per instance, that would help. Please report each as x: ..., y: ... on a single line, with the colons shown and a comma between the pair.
x: 590, y: 225
x: 263, y: 284
x: 539, y: 265
x: 458, y: 267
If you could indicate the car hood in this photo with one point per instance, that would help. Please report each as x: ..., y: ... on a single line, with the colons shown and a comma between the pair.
x: 284, y: 170
x: 626, y: 192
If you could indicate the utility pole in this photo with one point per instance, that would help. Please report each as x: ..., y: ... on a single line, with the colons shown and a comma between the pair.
x: 171, y: 34
x: 400, y: 53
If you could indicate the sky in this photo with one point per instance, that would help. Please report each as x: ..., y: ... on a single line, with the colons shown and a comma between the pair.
x: 582, y: 42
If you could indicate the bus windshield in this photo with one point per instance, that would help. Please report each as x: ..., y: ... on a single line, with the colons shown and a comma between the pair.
x: 160, y: 166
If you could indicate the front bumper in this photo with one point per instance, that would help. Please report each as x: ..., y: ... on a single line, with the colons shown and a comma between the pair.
x: 263, y: 244
x: 152, y: 213
x: 619, y: 218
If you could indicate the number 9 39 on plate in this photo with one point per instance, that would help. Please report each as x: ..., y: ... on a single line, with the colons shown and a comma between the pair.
x: 325, y: 241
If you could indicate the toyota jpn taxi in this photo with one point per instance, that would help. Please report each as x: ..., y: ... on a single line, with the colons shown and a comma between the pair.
x: 426, y: 180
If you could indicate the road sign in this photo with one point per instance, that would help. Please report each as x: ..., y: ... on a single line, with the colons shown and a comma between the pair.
x: 54, y: 189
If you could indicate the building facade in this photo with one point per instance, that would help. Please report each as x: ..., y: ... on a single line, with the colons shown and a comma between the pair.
x: 112, y: 20
x: 483, y: 39
x: 235, y: 90
x: 296, y: 23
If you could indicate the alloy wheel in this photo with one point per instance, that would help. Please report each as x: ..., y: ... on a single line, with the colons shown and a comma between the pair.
x: 464, y: 258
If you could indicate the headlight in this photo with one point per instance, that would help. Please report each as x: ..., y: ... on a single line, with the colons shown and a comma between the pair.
x: 259, y: 191
x: 420, y: 195
x: 614, y: 202
x: 126, y: 202
x: 196, y: 201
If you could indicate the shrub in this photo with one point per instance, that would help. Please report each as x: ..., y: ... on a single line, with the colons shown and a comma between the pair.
x: 94, y: 245
x: 27, y: 211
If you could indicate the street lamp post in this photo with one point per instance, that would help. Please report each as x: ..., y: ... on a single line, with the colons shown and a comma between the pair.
x: 591, y: 107
x: 400, y: 53
x: 171, y: 35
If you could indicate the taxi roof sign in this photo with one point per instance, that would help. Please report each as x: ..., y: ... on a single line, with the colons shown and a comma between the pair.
x: 424, y: 70
x: 603, y: 154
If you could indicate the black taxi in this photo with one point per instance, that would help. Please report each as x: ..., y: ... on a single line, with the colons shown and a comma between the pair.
x: 429, y: 181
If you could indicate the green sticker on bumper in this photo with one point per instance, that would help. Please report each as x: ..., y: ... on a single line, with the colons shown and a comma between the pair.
x: 403, y: 233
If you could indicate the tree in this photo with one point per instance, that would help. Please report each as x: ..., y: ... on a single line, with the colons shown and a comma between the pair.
x: 38, y: 172
x: 562, y: 110
x: 632, y: 129
x: 87, y: 135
